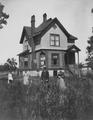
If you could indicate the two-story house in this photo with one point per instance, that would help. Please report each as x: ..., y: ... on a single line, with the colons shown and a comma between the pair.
x: 49, y: 44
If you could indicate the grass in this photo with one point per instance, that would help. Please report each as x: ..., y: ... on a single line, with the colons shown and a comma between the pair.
x: 4, y: 100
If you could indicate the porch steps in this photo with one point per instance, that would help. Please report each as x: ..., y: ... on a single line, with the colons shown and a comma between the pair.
x: 72, y: 70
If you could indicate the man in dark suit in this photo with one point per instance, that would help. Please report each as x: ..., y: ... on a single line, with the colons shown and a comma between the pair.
x: 45, y: 75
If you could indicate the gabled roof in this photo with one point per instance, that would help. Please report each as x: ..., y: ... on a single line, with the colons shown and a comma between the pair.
x: 44, y: 27
x: 73, y: 48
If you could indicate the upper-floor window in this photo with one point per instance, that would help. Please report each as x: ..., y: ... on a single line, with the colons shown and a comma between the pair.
x: 26, y: 45
x: 54, y: 40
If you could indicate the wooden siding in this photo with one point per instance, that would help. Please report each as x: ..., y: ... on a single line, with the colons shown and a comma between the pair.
x: 45, y: 40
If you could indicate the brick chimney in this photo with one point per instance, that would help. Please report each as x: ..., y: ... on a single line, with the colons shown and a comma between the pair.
x: 32, y: 40
x: 44, y: 17
x: 33, y: 22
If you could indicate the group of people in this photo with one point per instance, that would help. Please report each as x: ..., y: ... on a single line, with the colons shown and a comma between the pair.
x: 60, y: 78
x: 26, y: 76
x: 44, y: 78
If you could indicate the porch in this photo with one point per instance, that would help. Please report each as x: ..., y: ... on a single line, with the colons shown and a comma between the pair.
x: 71, y: 56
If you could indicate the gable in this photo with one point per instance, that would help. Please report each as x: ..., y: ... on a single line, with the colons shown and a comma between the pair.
x: 45, y: 40
x: 25, y: 33
x: 56, y: 21
x: 73, y: 48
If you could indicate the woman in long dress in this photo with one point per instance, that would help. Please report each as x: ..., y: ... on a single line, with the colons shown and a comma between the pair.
x: 25, y: 77
x: 61, y: 81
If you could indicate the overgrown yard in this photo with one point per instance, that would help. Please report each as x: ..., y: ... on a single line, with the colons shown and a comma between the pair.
x: 47, y: 101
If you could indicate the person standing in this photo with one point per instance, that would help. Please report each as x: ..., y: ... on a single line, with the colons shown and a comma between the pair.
x: 45, y: 75
x: 10, y: 77
x: 25, y: 77
x: 61, y: 81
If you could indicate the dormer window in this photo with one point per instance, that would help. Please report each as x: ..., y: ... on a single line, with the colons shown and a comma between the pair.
x: 54, y: 40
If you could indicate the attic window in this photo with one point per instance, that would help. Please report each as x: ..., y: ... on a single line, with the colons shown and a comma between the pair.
x: 54, y: 40
x: 54, y: 26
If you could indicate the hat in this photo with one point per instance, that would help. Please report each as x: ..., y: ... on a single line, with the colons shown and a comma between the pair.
x: 60, y: 73
x: 44, y: 66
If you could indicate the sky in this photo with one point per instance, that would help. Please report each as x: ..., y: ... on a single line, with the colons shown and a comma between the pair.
x: 75, y: 16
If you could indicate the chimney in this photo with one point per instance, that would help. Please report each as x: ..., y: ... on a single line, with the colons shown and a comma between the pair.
x: 44, y: 17
x: 33, y: 22
x: 32, y: 40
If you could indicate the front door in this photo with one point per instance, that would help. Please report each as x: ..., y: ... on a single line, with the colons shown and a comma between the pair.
x: 69, y: 58
x: 55, y: 73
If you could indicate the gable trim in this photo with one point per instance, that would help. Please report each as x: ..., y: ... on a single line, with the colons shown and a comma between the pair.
x: 24, y: 33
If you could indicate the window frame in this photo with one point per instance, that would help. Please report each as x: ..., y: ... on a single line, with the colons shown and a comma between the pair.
x: 55, y: 41
x: 26, y: 64
x: 58, y: 60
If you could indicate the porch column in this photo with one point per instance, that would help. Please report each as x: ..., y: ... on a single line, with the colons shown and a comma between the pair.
x: 78, y: 58
x: 67, y: 59
x: 79, y: 74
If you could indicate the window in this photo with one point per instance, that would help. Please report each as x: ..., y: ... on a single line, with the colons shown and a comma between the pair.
x: 55, y: 59
x: 21, y: 62
x: 25, y: 44
x: 54, y: 40
x: 42, y: 59
x: 25, y: 61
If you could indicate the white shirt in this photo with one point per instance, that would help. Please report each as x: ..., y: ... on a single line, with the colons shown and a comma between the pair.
x: 25, y: 78
x: 10, y: 77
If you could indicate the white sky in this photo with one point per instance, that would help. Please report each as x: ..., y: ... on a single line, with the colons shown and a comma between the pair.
x: 75, y: 16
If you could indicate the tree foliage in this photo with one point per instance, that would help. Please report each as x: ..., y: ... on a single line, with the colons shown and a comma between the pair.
x: 90, y: 52
x: 3, y: 16
x: 10, y: 64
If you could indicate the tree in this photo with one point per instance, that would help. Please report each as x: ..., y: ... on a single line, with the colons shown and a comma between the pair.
x: 90, y: 52
x: 3, y: 16
x: 11, y: 64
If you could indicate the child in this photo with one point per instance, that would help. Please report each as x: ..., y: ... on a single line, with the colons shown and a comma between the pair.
x: 10, y: 78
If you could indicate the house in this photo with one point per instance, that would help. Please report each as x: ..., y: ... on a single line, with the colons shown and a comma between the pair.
x: 49, y: 44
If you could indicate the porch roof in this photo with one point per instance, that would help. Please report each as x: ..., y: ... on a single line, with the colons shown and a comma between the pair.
x: 73, y: 48
x: 26, y: 52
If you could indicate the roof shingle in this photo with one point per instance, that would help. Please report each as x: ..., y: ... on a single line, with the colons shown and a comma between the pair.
x: 39, y: 29
x: 42, y: 27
